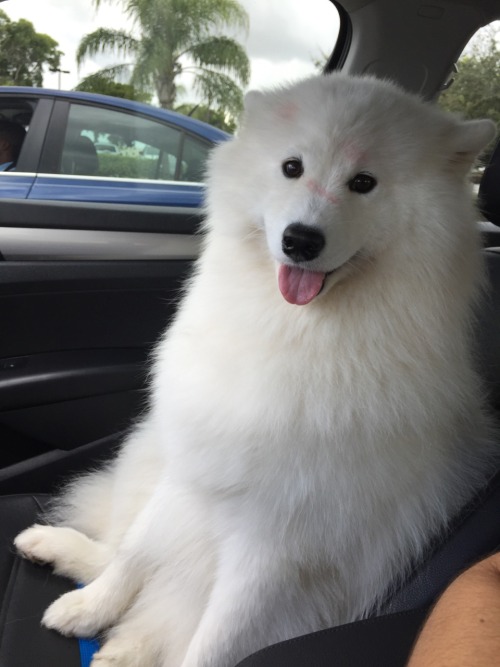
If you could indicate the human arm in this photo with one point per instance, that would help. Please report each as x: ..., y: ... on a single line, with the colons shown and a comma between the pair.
x: 463, y: 630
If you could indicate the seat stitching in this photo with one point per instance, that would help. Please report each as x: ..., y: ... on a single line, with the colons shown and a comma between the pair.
x: 37, y: 503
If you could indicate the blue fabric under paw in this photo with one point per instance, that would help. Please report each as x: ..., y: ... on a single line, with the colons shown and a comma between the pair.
x: 87, y: 648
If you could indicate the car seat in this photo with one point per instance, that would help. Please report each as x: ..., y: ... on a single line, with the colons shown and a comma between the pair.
x: 80, y: 157
x: 381, y: 641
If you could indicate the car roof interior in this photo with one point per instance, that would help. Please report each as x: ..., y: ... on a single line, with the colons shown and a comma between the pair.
x: 433, y: 34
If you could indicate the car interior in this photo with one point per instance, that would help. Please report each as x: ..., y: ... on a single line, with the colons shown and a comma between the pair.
x: 80, y: 157
x: 16, y: 112
x: 74, y: 350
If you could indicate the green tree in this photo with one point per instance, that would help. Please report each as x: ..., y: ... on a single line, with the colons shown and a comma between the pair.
x: 175, y: 37
x: 216, y: 117
x: 475, y: 92
x: 99, y: 83
x: 24, y: 53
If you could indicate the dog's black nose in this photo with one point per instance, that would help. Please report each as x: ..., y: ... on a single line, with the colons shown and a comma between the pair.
x: 302, y: 243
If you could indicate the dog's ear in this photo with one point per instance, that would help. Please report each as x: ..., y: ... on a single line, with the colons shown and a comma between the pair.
x: 468, y: 140
x: 252, y: 99
x: 263, y: 104
x: 252, y: 105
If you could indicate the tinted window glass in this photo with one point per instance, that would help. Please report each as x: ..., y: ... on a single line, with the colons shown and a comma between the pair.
x: 17, y: 110
x: 104, y: 142
x: 15, y: 119
x: 194, y: 157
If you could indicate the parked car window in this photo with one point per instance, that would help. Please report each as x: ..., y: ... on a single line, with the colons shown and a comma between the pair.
x: 194, y: 156
x: 19, y: 112
x: 108, y: 143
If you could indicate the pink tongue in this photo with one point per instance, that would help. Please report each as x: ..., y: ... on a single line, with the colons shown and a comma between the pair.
x: 299, y: 286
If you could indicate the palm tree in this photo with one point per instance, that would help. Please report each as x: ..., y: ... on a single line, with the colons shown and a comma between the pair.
x: 175, y: 37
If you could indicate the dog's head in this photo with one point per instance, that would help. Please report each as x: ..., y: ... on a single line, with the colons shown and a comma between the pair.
x: 333, y: 170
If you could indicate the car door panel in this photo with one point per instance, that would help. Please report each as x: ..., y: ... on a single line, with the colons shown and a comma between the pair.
x: 13, y: 186
x: 118, y: 191
x: 94, y: 256
x: 68, y: 425
x: 75, y: 344
x: 98, y: 216
x: 52, y: 377
x: 56, y: 306
x: 69, y: 244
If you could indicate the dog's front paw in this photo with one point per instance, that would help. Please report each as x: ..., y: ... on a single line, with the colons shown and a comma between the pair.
x: 36, y: 543
x: 121, y: 654
x: 73, y: 614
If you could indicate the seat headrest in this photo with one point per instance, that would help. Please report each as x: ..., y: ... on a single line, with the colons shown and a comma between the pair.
x: 80, y: 157
x: 489, y: 188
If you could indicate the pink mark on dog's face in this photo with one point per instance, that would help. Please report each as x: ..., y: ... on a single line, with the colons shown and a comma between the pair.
x: 353, y: 152
x: 317, y: 189
x: 288, y: 111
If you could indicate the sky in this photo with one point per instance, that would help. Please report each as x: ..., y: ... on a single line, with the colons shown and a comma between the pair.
x: 284, y: 38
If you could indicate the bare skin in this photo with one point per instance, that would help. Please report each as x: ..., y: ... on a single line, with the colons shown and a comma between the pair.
x: 463, y: 630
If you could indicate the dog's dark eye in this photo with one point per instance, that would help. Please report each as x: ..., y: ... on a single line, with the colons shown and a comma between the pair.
x: 362, y: 183
x: 293, y: 168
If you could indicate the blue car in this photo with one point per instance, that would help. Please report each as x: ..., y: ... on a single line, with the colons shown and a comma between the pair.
x: 101, y: 178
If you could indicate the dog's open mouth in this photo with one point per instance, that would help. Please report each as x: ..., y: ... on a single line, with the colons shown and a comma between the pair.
x: 300, y: 286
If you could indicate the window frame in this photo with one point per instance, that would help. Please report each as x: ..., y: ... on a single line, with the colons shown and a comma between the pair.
x: 56, y: 132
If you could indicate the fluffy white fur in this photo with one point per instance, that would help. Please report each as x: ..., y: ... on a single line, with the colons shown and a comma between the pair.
x: 295, y: 460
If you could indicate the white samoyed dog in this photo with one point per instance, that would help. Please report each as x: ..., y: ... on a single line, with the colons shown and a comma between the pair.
x: 315, y: 417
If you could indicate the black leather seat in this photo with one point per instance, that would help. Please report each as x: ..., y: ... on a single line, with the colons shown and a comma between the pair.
x: 27, y: 590
x: 382, y: 641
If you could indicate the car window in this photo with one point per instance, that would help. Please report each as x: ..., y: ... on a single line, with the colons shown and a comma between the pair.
x: 473, y: 88
x: 194, y: 155
x: 109, y: 143
x: 17, y: 110
x: 13, y: 112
